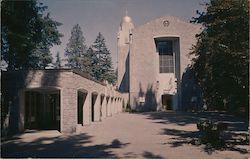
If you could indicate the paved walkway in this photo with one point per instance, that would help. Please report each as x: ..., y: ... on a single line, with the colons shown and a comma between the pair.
x: 147, y: 135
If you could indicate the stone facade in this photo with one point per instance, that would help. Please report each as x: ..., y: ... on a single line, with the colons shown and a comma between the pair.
x: 139, y: 62
x: 68, y: 83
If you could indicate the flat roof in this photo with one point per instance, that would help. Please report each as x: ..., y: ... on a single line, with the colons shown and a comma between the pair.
x: 76, y: 71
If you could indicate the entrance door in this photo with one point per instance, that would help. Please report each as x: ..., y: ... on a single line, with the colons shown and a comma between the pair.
x: 167, y: 101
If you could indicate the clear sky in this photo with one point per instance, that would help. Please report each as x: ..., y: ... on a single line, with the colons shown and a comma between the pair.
x: 105, y: 16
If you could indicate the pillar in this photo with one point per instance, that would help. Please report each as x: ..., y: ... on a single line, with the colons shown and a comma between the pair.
x: 104, y: 103
x: 86, y: 110
x: 97, y: 109
x: 68, y: 110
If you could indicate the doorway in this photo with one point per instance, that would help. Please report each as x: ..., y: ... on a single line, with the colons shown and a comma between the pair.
x: 167, y: 103
x: 107, y: 106
x: 42, y: 109
x: 93, y: 101
x: 101, y: 108
x: 81, y: 97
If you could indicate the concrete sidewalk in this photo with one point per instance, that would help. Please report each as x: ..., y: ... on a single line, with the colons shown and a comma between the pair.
x: 146, y: 135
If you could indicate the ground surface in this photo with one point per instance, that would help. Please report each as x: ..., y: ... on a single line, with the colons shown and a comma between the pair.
x: 147, y: 135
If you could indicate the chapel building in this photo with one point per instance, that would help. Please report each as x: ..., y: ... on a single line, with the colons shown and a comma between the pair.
x: 153, y: 63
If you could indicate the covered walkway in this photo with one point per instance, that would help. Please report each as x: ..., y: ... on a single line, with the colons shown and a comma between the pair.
x: 60, y: 99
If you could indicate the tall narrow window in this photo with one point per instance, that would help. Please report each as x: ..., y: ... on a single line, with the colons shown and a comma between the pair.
x: 165, y: 49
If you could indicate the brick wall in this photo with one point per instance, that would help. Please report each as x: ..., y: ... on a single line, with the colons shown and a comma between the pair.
x: 68, y: 82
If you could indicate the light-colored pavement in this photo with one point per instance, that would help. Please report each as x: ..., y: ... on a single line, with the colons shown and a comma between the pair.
x: 146, y: 135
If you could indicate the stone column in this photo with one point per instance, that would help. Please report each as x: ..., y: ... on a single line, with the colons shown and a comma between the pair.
x: 22, y: 110
x: 108, y: 106
x: 104, y: 103
x: 115, y: 105
x: 112, y: 106
x: 97, y: 109
x: 120, y: 105
x: 68, y: 110
x: 86, y: 110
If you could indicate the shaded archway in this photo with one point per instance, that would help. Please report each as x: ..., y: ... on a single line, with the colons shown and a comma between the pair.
x: 102, y: 106
x: 112, y: 106
x: 93, y: 100
x: 107, y: 105
x: 81, y: 98
x: 42, y: 109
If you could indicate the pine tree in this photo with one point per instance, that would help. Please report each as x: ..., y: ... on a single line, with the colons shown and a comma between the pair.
x: 222, y: 54
x: 49, y: 38
x: 58, y: 63
x: 85, y: 62
x: 76, y: 50
x: 93, y: 67
x: 102, y: 61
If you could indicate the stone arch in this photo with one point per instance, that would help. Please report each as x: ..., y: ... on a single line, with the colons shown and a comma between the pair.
x: 102, y: 106
x: 112, y: 105
x: 94, y: 96
x: 108, y: 100
x: 81, y: 99
x: 41, y: 108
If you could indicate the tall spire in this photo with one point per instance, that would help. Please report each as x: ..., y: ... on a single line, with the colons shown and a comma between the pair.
x: 126, y: 12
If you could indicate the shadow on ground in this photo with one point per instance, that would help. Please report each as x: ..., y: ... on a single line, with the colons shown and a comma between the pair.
x: 61, y: 146
x: 185, y: 118
x: 150, y: 155
x: 236, y: 137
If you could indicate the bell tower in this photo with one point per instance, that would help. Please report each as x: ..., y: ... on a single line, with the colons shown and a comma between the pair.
x: 124, y: 41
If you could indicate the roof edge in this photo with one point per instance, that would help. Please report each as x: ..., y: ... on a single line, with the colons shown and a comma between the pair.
x: 75, y: 71
x: 166, y: 16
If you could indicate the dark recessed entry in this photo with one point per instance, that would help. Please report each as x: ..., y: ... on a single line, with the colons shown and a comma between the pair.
x: 42, y: 109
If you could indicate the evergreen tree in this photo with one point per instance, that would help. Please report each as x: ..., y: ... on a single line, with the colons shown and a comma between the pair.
x: 116, y: 75
x: 86, y: 62
x: 101, y: 60
x: 222, y: 54
x: 58, y: 63
x: 93, y: 67
x: 110, y: 76
x: 49, y: 37
x: 27, y: 35
x: 76, y: 49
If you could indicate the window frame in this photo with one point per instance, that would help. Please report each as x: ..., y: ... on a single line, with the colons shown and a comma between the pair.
x: 166, y: 56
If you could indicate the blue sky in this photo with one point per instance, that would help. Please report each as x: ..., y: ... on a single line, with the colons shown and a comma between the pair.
x: 105, y: 16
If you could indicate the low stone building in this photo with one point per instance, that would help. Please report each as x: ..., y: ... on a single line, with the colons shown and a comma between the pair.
x: 153, y: 64
x: 63, y: 99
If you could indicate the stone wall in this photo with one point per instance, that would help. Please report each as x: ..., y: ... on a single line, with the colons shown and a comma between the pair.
x: 68, y: 82
x: 144, y: 58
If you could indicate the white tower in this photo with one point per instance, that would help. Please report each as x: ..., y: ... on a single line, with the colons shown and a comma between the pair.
x: 124, y: 39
